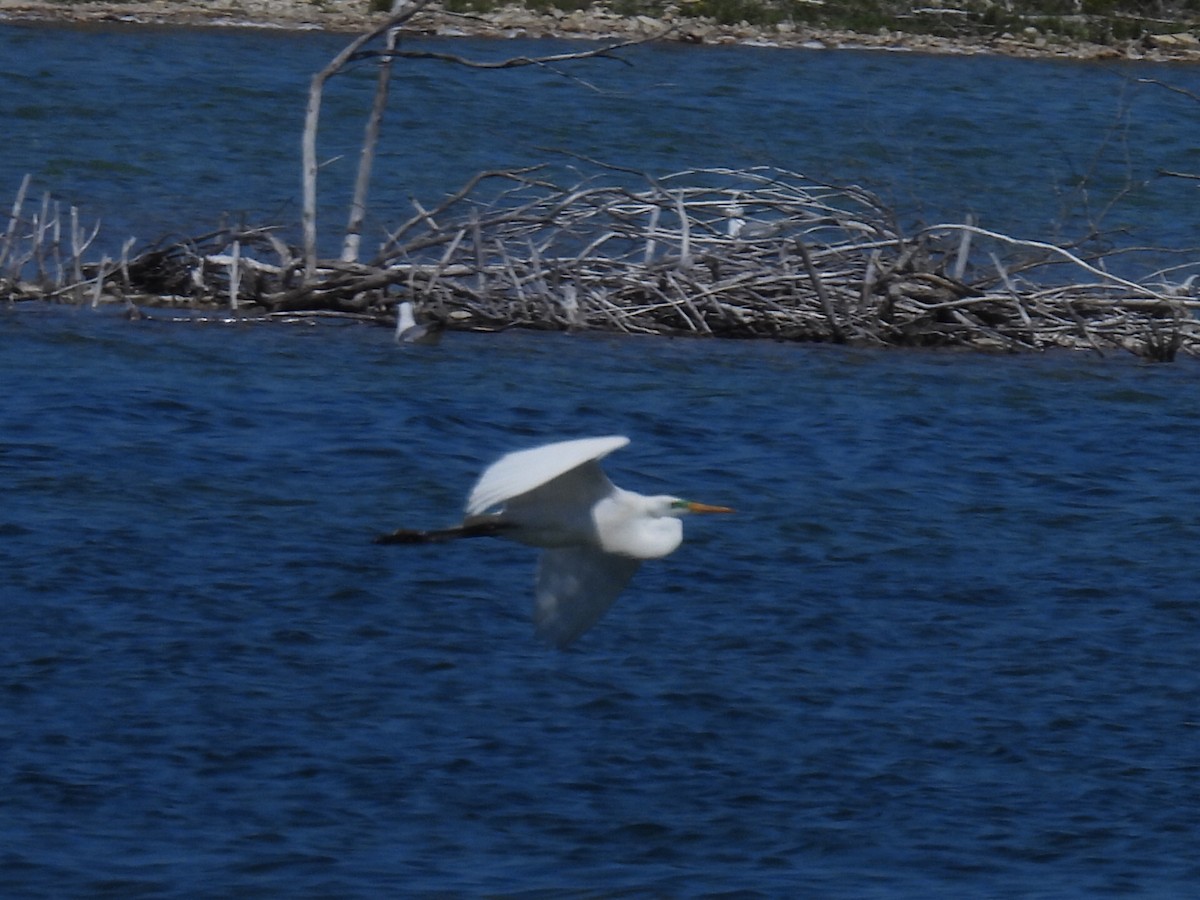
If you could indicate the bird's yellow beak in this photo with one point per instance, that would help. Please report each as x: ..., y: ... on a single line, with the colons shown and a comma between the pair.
x: 705, y: 508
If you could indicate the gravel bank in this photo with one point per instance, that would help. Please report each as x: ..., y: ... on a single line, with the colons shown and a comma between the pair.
x: 352, y: 16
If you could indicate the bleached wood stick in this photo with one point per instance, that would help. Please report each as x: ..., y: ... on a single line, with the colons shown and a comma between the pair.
x: 13, y: 219
x: 235, y: 274
x: 1053, y: 249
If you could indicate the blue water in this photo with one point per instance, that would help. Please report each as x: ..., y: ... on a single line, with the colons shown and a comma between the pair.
x: 947, y: 646
x: 162, y: 131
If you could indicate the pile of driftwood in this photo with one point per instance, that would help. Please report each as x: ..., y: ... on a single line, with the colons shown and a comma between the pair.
x: 758, y: 253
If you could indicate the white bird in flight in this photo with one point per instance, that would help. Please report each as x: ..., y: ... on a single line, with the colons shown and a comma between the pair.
x: 593, y: 534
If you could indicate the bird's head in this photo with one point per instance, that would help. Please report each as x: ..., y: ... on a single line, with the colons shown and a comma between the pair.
x: 677, y: 507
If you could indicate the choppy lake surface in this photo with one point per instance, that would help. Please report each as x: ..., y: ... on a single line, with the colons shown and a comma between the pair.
x: 947, y: 647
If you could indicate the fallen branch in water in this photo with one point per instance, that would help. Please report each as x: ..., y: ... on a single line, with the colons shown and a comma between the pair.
x: 759, y: 253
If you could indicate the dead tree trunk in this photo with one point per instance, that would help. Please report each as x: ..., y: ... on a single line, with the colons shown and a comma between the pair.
x: 401, y: 12
x: 366, y: 161
x: 312, y: 118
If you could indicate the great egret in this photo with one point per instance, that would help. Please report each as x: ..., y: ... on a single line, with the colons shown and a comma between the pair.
x: 593, y: 534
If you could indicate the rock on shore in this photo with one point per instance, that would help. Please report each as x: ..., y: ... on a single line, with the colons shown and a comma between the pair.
x: 592, y: 24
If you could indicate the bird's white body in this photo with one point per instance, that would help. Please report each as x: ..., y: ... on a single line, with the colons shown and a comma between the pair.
x: 558, y: 496
x: 593, y: 534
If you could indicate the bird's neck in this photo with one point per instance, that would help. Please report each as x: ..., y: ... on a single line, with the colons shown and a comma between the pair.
x: 632, y: 525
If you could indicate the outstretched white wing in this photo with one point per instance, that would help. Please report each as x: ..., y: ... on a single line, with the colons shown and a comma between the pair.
x: 521, y: 472
x: 575, y: 585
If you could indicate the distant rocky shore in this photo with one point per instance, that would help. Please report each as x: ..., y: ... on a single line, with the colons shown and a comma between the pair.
x: 592, y: 24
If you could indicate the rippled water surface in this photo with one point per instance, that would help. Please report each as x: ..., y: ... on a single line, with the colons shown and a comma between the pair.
x: 948, y: 646
x: 161, y: 130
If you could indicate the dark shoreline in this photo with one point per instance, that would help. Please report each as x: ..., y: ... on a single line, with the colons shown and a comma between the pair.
x: 342, y: 16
